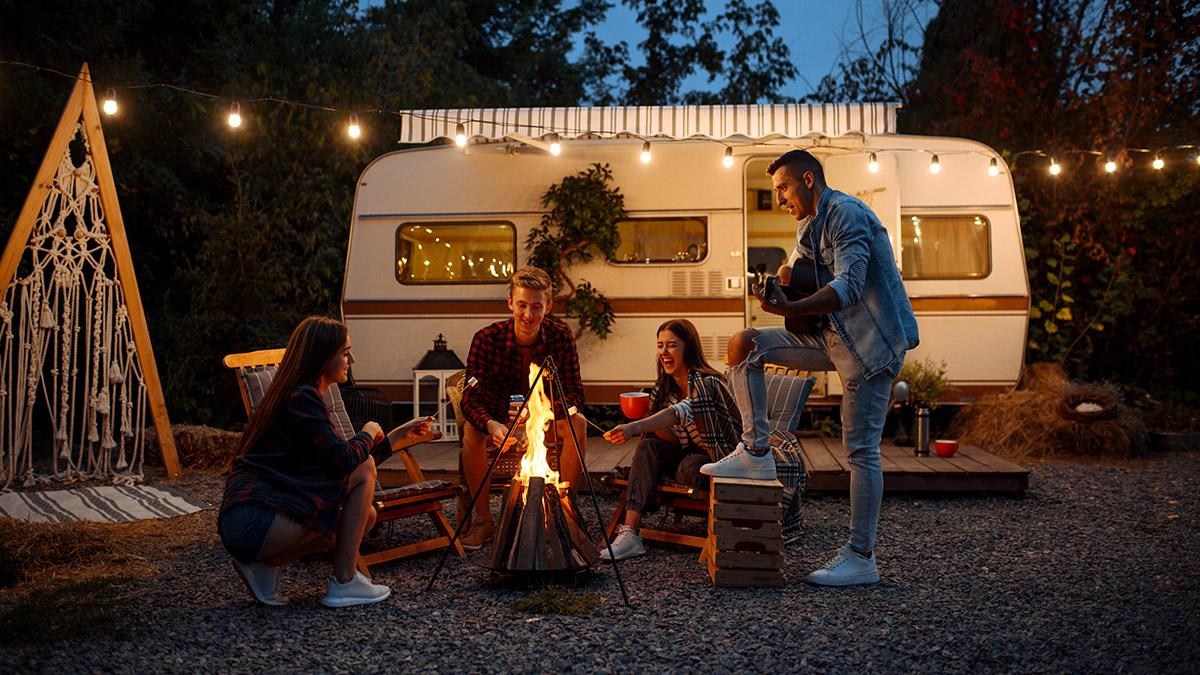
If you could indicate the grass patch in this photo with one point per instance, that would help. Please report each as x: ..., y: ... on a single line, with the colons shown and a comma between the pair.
x: 27, y: 549
x: 557, y: 600
x: 77, y: 610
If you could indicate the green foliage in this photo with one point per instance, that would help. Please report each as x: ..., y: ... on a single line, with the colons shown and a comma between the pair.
x: 557, y: 600
x: 828, y: 426
x: 926, y: 380
x: 581, y: 221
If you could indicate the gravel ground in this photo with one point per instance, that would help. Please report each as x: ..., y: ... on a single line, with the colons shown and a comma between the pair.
x: 1093, y: 570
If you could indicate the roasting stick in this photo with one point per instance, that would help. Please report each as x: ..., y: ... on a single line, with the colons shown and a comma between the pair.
x: 575, y: 411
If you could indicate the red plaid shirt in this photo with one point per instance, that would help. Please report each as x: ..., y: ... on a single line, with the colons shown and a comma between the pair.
x: 498, y: 365
x: 300, y: 466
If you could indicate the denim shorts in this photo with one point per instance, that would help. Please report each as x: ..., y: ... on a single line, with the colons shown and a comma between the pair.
x: 244, y: 528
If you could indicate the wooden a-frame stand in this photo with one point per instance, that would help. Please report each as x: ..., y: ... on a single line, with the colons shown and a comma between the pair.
x: 83, y: 104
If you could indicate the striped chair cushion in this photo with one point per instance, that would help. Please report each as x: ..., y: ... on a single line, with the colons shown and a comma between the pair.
x: 258, y: 378
x: 786, y: 396
x: 411, y: 490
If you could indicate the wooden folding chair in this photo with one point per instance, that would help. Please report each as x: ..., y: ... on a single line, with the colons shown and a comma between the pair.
x: 786, y: 395
x: 254, y: 372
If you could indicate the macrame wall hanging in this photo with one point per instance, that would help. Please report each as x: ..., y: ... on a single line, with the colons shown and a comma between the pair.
x: 75, y: 351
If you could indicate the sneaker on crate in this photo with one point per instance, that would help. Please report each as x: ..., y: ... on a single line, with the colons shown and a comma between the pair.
x: 627, y: 544
x: 358, y: 591
x: 846, y: 568
x: 741, y: 464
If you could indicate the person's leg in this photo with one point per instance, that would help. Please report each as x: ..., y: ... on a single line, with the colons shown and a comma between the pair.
x: 474, y: 467
x: 748, y: 352
x: 569, y: 467
x: 643, y: 477
x: 864, y: 408
x: 688, y: 471
x: 358, y: 515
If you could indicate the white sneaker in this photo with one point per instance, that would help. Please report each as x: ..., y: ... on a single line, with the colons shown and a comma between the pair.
x: 264, y: 583
x: 358, y: 591
x: 627, y: 544
x: 741, y: 464
x: 847, y: 568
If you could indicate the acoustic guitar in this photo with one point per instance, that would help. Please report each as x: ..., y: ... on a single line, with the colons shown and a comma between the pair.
x: 802, y: 283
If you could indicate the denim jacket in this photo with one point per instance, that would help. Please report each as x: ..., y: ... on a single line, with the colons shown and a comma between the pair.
x: 855, y: 259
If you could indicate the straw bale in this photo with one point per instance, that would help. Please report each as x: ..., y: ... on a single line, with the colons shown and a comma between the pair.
x: 199, y: 447
x: 1033, y: 422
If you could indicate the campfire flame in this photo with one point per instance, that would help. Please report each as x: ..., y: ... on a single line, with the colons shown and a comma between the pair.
x: 541, y: 415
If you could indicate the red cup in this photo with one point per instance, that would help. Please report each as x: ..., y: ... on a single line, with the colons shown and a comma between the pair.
x: 945, y: 448
x: 635, y: 404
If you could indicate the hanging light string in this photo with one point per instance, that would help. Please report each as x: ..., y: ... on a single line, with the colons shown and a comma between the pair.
x: 354, y: 130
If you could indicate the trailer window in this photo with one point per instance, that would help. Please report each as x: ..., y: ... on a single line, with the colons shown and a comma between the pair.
x: 455, y: 253
x: 945, y: 247
x: 661, y: 240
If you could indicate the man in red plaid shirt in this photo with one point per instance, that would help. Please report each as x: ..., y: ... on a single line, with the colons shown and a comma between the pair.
x: 499, y: 359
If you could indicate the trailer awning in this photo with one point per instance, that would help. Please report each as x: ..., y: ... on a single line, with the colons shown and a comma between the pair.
x: 720, y: 122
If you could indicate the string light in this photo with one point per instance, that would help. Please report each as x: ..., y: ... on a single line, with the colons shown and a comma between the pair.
x: 1198, y: 159
x: 1055, y: 168
x: 1157, y: 163
x: 555, y: 145
x: 460, y: 135
x: 873, y: 164
x: 934, y: 165
x: 993, y: 168
x: 1110, y: 166
x: 235, y: 115
x: 728, y: 159
x: 645, y: 152
x: 353, y: 130
x: 110, y: 102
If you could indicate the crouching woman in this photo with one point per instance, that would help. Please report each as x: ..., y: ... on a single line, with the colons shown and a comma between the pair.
x: 295, y: 485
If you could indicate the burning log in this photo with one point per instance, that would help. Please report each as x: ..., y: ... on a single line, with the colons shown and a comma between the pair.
x: 539, y: 531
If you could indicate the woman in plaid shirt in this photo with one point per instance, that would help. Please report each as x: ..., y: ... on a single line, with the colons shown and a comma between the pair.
x: 296, y: 486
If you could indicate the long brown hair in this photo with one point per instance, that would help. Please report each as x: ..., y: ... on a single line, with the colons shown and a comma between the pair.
x: 316, y: 340
x: 693, y: 357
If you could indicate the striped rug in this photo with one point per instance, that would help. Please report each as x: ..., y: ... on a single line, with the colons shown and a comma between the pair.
x: 104, y: 504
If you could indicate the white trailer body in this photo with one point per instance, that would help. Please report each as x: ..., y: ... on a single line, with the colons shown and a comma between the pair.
x: 424, y: 219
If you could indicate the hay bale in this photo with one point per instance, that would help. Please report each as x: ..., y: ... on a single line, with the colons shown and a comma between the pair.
x: 1051, y: 416
x: 199, y: 447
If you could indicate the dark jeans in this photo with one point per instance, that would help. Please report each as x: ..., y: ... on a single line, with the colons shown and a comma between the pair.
x: 655, y: 458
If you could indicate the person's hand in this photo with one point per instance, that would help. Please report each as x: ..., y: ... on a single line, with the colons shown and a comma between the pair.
x: 497, y: 432
x: 619, y: 434
x: 375, y: 430
x: 417, y: 427
x: 770, y: 296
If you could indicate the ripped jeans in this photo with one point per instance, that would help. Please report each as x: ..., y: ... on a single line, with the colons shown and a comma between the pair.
x: 864, y: 408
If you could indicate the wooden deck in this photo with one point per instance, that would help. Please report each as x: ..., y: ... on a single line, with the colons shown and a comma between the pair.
x: 971, y: 469
x: 828, y: 467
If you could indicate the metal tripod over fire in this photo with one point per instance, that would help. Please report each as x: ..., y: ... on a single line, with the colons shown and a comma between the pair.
x: 539, y: 530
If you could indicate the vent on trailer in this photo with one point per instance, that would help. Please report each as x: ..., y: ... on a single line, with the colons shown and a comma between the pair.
x: 696, y: 283
x: 714, y: 348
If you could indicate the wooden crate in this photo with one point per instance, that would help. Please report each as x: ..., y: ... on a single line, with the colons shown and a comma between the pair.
x: 745, y: 534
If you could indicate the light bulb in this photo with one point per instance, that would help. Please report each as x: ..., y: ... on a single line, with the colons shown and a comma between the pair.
x: 235, y: 115
x: 353, y: 130
x: 645, y: 152
x: 1198, y: 159
x: 1157, y: 164
x: 1110, y: 166
x: 934, y: 165
x: 873, y: 164
x: 727, y: 160
x: 993, y: 168
x: 110, y: 103
x: 555, y: 145
x: 460, y: 135
x: 1055, y: 168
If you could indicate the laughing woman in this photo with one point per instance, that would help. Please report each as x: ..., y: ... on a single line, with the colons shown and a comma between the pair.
x: 296, y: 486
x: 693, y: 421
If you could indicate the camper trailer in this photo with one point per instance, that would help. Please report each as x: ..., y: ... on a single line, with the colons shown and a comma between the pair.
x: 437, y: 230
